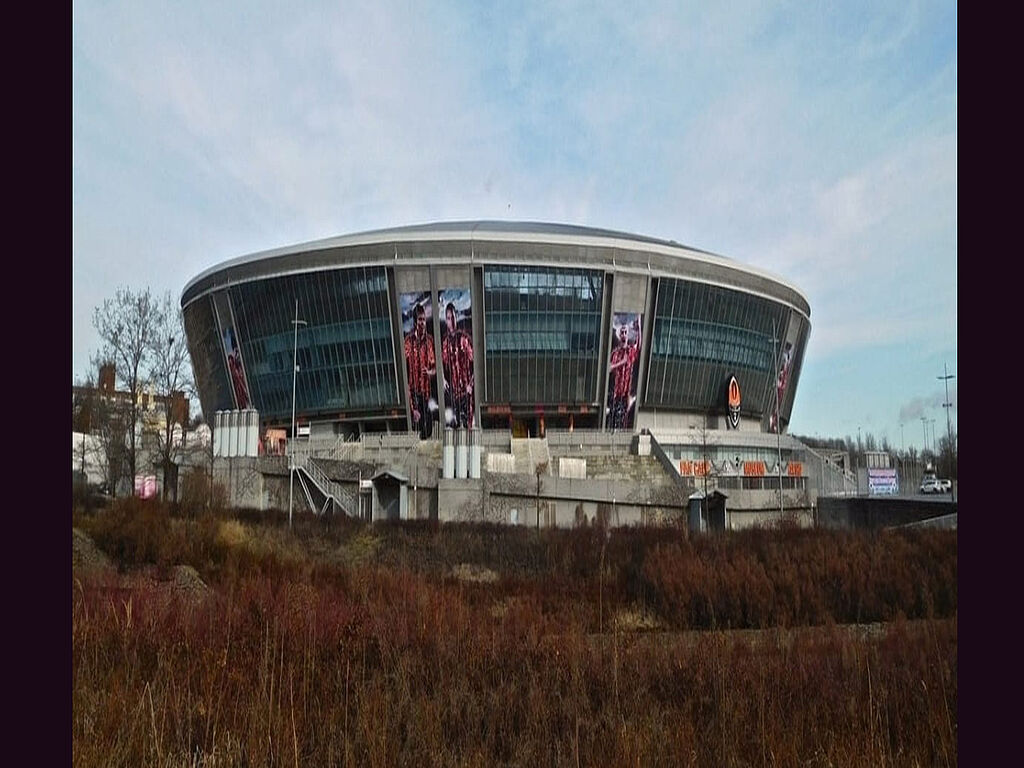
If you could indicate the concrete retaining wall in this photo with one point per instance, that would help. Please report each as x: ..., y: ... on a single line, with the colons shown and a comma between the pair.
x: 878, y: 512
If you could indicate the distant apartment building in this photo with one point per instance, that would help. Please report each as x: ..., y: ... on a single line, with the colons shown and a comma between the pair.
x: 99, y: 430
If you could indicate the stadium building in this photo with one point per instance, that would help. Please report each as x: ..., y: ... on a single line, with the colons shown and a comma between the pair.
x: 487, y: 334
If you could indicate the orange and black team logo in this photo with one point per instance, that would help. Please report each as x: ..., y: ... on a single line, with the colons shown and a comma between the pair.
x: 733, y: 402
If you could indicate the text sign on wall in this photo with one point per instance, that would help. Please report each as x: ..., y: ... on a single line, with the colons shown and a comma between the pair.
x: 689, y: 468
x: 754, y: 468
x: 883, y: 482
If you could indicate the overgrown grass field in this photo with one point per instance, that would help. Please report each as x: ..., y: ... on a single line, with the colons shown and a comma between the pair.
x: 414, y: 644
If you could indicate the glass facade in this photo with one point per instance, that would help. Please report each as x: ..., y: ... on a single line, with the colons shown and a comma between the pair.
x: 803, y: 331
x: 704, y: 333
x: 204, y: 346
x: 345, y: 351
x: 541, y: 320
x: 542, y: 334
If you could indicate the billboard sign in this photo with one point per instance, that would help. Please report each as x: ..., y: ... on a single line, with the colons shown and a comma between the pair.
x: 420, y: 360
x: 780, y: 385
x: 236, y: 370
x: 624, y: 369
x: 145, y: 486
x: 883, y: 482
x: 457, y: 356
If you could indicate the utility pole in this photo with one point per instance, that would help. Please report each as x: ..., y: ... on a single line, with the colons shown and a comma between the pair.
x: 291, y: 443
x: 706, y: 463
x: 903, y: 454
x: 778, y: 412
x: 949, y: 429
x: 860, y: 451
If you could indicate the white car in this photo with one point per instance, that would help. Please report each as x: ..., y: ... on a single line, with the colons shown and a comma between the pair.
x: 945, y: 486
x: 930, y: 485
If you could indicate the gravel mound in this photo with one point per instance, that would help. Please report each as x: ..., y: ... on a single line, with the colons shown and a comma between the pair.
x: 186, y: 579
x: 86, y: 557
x: 474, y: 573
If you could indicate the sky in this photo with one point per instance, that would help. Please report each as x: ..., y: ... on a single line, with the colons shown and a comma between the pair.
x: 817, y: 141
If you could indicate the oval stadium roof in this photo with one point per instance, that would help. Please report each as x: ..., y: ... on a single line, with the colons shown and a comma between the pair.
x: 660, y: 255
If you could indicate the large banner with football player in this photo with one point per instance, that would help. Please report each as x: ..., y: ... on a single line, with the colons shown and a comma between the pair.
x: 236, y: 369
x: 781, y: 382
x: 623, y: 370
x: 232, y: 351
x: 457, y: 356
x: 420, y: 360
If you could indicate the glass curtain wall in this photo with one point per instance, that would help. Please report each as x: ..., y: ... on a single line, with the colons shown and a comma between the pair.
x: 703, y: 333
x: 803, y: 331
x: 207, y: 352
x: 345, y: 351
x: 543, y: 334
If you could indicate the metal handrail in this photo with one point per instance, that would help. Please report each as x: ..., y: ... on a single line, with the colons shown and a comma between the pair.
x: 302, y: 459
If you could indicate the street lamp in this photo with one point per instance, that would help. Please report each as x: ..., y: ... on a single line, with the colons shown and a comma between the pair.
x: 291, y: 448
x: 949, y: 429
x: 903, y: 453
x: 778, y: 414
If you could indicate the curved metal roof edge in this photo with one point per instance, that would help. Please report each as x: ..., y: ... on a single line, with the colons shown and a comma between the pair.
x: 486, y: 229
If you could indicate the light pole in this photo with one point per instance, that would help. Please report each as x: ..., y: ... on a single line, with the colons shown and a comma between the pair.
x: 778, y: 413
x: 903, y: 453
x: 291, y: 443
x: 949, y: 430
x: 859, y: 452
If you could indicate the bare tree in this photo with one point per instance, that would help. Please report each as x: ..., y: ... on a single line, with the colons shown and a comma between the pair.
x: 99, y: 414
x: 170, y: 374
x: 203, y: 378
x: 198, y: 489
x: 947, y: 461
x: 128, y: 325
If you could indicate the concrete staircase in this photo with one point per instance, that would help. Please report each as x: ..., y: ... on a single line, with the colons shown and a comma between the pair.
x: 323, y: 494
x: 530, y: 454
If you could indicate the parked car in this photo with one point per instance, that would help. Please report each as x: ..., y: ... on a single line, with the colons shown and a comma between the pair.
x: 930, y: 485
x: 945, y: 486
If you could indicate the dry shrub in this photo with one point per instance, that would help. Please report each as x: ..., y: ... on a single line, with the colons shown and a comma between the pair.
x: 132, y: 531
x: 198, y: 493
x: 231, y: 534
x: 372, y: 664
x: 785, y: 577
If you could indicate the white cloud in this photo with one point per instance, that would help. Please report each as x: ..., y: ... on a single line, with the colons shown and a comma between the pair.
x: 816, y: 142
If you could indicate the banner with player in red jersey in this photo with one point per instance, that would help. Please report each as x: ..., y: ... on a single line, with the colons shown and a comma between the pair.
x: 457, y: 356
x: 624, y: 370
x: 420, y: 360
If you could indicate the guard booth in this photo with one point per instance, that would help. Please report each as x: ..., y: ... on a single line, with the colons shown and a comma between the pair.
x: 718, y: 517
x: 695, y: 518
x: 390, y: 495
x: 707, y: 514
